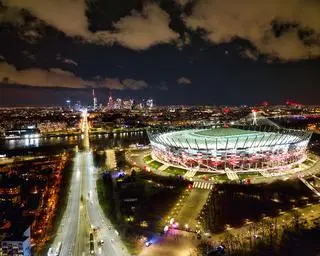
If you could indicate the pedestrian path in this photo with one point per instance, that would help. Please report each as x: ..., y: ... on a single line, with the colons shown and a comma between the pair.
x: 264, y: 173
x: 232, y: 175
x: 316, y: 177
x: 202, y: 185
x: 111, y: 159
x: 163, y: 167
x: 190, y: 173
x: 312, y: 160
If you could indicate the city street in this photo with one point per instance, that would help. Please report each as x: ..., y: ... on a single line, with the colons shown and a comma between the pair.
x: 191, y: 208
x: 83, y: 211
x: 112, y: 243
x: 67, y: 232
x: 181, y: 244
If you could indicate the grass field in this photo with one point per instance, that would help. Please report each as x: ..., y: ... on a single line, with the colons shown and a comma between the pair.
x: 221, y: 177
x: 156, y: 195
x: 175, y: 170
x: 155, y: 164
x: 248, y: 175
x: 308, y: 162
x: 147, y: 158
x: 204, y: 174
x: 219, y: 132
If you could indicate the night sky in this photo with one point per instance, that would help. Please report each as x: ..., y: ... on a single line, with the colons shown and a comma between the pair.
x: 223, y: 52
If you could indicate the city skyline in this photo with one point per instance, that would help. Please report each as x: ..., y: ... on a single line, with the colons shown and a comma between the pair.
x: 91, y: 181
x: 190, y: 60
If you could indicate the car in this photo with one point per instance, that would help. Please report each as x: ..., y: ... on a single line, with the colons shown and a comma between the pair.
x: 100, y: 242
x: 147, y: 243
x: 219, y: 250
x: 92, y: 252
x: 50, y: 252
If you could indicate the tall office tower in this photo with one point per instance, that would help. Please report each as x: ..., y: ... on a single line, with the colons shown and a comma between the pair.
x: 68, y: 103
x: 118, y: 104
x: 127, y: 104
x: 254, y: 117
x: 110, y: 104
x: 77, y: 106
x: 149, y: 104
x: 95, y: 102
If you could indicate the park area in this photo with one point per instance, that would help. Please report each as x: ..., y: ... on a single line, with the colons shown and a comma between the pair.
x: 136, y: 203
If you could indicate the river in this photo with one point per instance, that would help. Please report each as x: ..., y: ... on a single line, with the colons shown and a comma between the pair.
x: 12, y: 147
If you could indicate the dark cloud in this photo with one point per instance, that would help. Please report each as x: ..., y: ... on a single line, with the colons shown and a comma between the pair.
x: 134, y: 84
x: 137, y: 31
x: 222, y: 20
x: 30, y: 35
x: 11, y: 15
x: 28, y: 55
x: 53, y: 77
x: 184, y: 80
x: 56, y: 77
x: 226, y: 20
x: 66, y: 60
x: 126, y: 50
x: 250, y: 54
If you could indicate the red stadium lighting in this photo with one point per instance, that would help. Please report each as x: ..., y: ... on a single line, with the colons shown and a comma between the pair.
x: 293, y: 103
x: 226, y: 110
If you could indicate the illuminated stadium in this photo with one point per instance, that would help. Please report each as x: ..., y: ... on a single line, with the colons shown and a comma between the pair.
x: 240, y: 148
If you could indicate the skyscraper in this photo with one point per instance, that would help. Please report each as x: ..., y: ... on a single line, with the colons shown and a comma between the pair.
x: 110, y: 104
x: 95, y: 102
x: 149, y: 104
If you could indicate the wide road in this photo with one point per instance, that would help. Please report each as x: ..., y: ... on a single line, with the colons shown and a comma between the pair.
x: 82, y: 240
x: 112, y: 243
x: 192, y: 207
x: 83, y: 213
x: 69, y: 225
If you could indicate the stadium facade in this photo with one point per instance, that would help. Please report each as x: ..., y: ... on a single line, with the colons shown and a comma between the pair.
x: 252, y: 148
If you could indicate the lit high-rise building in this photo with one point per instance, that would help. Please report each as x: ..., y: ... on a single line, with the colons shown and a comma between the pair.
x: 127, y: 104
x: 149, y: 104
x: 118, y: 104
x: 95, y: 101
x: 68, y: 103
x: 77, y: 106
x: 110, y: 103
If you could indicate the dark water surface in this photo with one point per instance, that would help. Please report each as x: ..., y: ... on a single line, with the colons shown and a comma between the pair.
x: 12, y: 147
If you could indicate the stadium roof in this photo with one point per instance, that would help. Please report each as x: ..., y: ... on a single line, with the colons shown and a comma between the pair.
x: 227, y: 138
